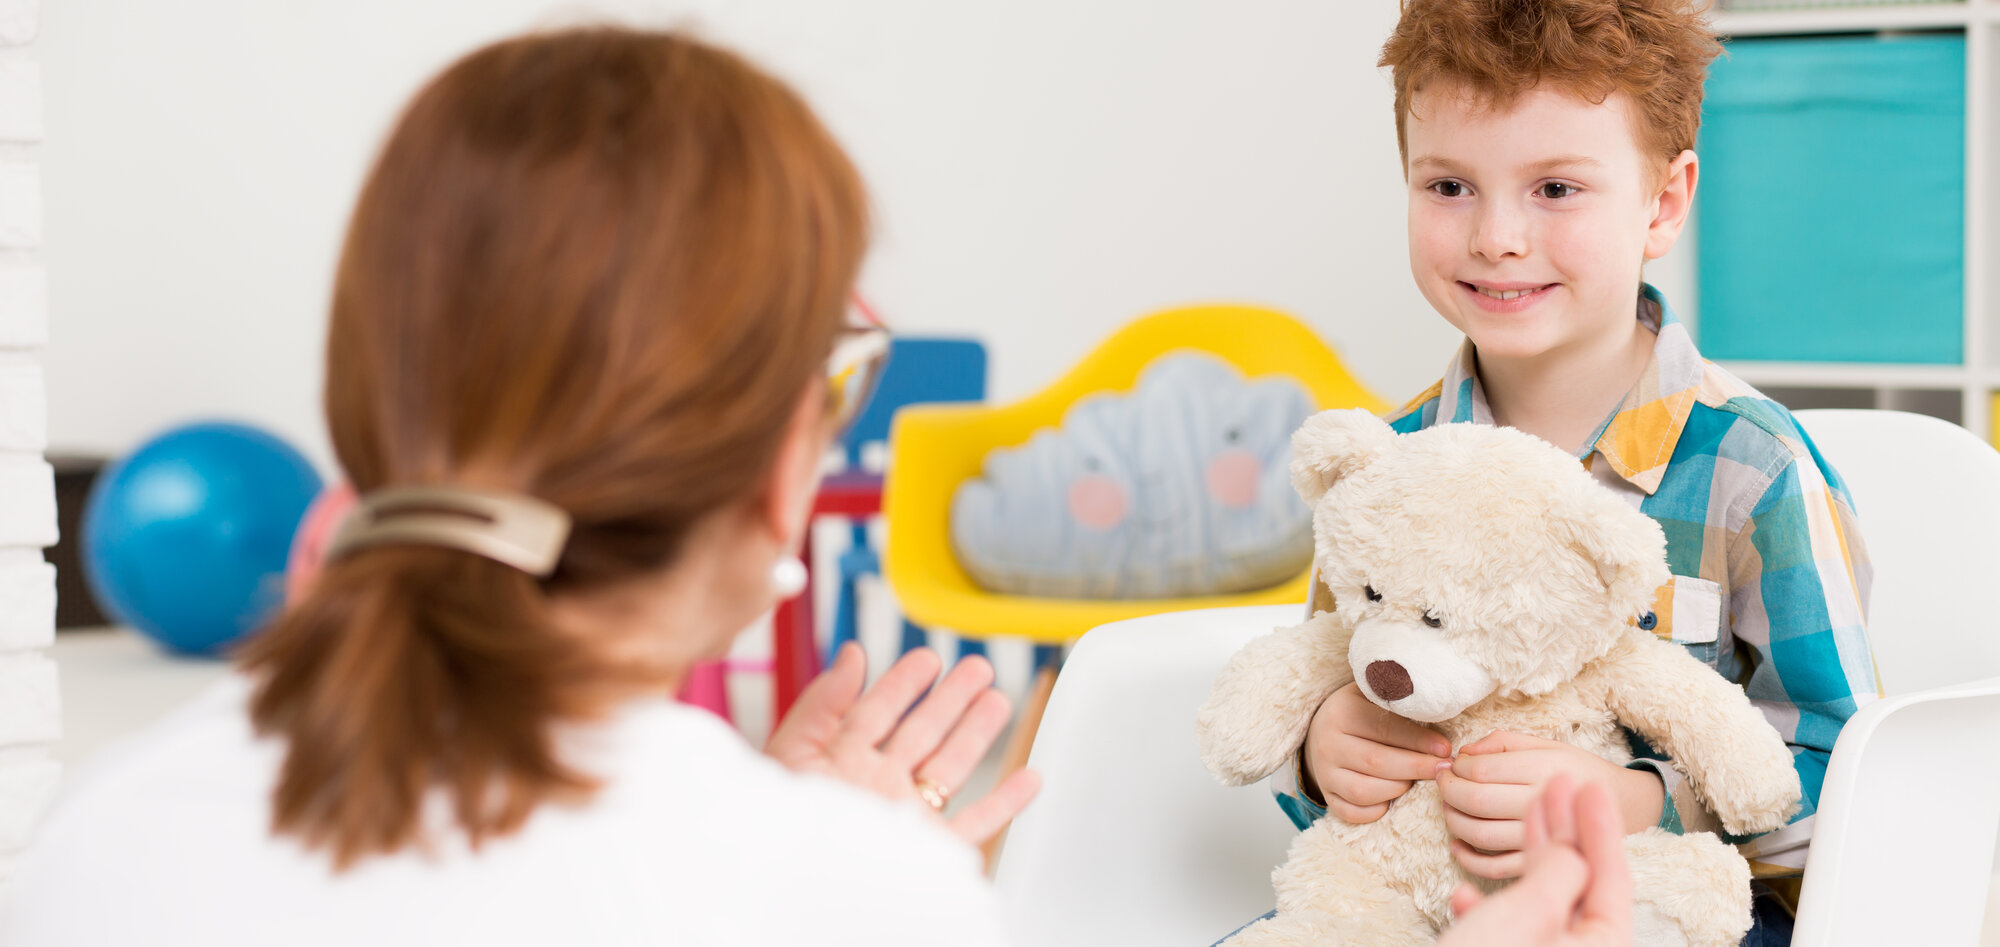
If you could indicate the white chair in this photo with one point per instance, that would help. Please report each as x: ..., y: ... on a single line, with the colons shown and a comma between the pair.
x: 1903, y: 842
x: 1133, y: 842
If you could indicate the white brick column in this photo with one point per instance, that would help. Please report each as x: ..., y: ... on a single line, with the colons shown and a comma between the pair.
x: 29, y: 708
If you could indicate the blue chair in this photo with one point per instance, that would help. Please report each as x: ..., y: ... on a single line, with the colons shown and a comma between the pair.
x: 919, y: 371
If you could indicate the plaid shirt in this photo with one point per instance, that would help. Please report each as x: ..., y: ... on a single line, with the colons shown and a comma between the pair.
x: 1770, y: 577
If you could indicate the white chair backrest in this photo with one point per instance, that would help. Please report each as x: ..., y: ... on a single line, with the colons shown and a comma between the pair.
x: 1898, y: 856
x: 1131, y: 840
x: 1928, y: 496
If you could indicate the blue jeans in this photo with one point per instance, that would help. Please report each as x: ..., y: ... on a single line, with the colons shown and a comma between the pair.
x: 1770, y: 923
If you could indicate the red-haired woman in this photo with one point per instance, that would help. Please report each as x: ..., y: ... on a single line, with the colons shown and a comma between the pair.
x: 578, y: 367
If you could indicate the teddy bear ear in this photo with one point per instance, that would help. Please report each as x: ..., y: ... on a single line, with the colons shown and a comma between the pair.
x: 1625, y: 546
x: 1335, y: 444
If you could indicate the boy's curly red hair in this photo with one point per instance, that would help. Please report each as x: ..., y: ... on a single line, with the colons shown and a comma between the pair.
x: 1656, y: 52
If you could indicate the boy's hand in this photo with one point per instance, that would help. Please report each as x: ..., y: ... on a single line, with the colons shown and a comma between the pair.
x: 1493, y: 784
x: 1359, y: 757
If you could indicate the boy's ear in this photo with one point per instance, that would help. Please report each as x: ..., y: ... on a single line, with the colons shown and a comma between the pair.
x: 1672, y: 205
x: 1335, y: 444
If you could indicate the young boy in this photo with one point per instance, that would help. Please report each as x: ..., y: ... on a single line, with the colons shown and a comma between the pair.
x: 1547, y: 148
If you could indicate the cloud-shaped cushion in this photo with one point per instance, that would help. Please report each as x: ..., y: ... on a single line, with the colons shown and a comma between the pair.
x: 1177, y: 488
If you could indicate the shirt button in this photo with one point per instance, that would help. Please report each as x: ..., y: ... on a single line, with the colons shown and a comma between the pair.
x: 1648, y: 621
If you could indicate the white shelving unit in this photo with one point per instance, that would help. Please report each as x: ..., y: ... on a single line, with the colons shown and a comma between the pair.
x: 1854, y: 19
x: 1960, y: 393
x: 30, y: 709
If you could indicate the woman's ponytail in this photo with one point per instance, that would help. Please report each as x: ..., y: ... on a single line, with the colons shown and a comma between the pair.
x: 412, y: 668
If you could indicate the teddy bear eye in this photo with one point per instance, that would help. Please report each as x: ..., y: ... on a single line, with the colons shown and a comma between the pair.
x: 1369, y: 591
x: 1433, y: 621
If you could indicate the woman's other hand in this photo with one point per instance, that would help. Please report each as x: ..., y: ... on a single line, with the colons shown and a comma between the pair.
x: 1576, y: 891
x: 875, y: 740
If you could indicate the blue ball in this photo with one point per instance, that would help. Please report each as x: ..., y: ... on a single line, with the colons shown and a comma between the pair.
x: 186, y: 539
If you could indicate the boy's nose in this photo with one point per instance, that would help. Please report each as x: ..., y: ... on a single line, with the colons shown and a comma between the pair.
x: 1499, y: 233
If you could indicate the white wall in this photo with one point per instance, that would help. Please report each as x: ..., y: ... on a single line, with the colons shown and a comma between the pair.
x: 1043, y: 172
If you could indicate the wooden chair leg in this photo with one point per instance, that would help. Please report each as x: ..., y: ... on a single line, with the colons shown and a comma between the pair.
x: 1015, y: 755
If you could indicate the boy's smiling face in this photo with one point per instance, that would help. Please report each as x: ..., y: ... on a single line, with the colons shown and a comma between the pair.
x: 1529, y: 225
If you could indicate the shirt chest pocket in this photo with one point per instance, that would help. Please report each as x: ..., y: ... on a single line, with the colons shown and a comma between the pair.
x: 1688, y: 612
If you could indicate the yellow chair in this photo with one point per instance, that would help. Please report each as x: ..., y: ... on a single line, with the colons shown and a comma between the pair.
x: 934, y: 448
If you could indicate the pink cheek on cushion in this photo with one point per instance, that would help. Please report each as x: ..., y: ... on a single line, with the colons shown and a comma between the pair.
x: 1097, y: 501
x: 1232, y: 479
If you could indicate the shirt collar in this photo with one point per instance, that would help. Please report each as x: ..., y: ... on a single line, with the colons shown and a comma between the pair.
x: 1638, y: 438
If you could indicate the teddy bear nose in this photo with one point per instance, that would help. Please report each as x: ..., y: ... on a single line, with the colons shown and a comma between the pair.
x: 1389, y: 681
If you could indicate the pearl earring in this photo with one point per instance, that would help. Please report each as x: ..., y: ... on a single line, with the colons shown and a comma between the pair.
x: 788, y: 578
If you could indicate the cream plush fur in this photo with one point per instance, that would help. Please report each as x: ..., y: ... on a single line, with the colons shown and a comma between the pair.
x: 1534, y: 576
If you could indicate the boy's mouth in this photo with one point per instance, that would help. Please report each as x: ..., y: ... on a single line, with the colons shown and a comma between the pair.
x: 1518, y: 294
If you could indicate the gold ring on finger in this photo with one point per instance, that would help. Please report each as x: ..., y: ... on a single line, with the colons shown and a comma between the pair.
x: 933, y: 792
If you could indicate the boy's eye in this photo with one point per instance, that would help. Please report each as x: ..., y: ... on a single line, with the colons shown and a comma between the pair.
x: 1556, y: 190
x: 1369, y: 591
x: 1449, y: 189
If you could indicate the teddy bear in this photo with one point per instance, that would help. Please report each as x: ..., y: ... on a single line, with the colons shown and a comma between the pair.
x: 1483, y: 581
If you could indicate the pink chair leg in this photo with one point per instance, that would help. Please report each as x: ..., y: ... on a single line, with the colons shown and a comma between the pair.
x: 707, y: 687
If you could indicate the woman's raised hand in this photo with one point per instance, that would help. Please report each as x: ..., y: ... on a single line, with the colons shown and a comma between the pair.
x: 1577, y: 890
x: 920, y: 756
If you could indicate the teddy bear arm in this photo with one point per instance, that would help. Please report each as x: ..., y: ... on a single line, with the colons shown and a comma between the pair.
x: 1734, y: 761
x: 1258, y: 709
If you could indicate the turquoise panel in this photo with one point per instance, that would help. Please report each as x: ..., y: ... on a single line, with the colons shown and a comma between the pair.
x: 1832, y: 200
